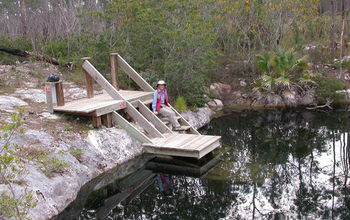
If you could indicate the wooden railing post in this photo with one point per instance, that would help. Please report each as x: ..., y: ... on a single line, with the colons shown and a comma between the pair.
x: 89, y: 81
x: 59, y: 93
x: 113, y: 58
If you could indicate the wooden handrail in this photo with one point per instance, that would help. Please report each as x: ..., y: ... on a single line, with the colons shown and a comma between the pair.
x: 97, y: 76
x: 134, y: 75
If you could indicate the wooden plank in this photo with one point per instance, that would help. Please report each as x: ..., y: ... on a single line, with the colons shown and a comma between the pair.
x: 181, y: 140
x: 111, y: 108
x: 88, y: 67
x: 190, y: 140
x: 134, y: 132
x: 59, y: 93
x: 134, y: 75
x: 201, y: 141
x: 210, y: 140
x: 171, y: 151
x: 138, y: 117
x: 162, y: 141
x: 89, y: 105
x: 96, y: 122
x: 209, y: 149
x: 107, y: 120
x: 150, y: 116
x: 114, y: 69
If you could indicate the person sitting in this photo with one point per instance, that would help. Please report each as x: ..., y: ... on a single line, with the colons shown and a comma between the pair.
x: 160, y: 105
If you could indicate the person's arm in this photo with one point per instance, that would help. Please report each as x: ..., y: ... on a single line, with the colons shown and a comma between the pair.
x: 154, y: 103
x: 167, y: 97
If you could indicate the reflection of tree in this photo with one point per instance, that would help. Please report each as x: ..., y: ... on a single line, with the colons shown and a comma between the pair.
x: 272, y: 143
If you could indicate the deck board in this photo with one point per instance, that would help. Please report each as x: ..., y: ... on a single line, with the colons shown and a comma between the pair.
x: 185, y: 145
x: 102, y: 103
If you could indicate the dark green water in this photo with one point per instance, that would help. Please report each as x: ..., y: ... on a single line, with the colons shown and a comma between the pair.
x: 274, y: 165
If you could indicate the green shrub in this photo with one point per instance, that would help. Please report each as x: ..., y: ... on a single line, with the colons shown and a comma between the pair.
x: 279, y: 69
x: 180, y: 104
x: 327, y: 88
x: 20, y: 43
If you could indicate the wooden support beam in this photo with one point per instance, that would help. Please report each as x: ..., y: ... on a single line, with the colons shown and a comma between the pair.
x: 89, y: 85
x: 59, y: 93
x: 113, y: 58
x: 89, y: 81
x: 144, y: 123
x: 150, y: 116
x: 97, y: 76
x: 96, y: 121
x: 133, y: 131
x: 107, y: 120
x: 134, y: 75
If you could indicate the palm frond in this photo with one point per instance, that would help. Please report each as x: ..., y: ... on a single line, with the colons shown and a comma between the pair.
x: 283, y: 80
x: 263, y: 62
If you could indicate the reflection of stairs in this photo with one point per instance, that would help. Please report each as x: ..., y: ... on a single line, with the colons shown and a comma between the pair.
x: 155, y: 135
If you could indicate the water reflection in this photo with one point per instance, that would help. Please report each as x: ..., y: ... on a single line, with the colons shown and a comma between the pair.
x: 275, y: 165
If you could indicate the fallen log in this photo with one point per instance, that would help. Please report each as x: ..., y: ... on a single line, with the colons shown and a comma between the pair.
x: 26, y: 54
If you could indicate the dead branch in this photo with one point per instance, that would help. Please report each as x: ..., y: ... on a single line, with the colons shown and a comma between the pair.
x: 27, y: 54
x: 328, y: 104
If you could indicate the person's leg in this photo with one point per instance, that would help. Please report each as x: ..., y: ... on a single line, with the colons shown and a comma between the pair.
x: 168, y: 112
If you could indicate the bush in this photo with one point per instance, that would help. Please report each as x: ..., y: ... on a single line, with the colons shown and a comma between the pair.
x: 327, y: 88
x: 180, y: 104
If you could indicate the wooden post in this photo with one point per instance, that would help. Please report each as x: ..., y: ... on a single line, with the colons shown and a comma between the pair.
x: 107, y: 120
x: 89, y: 81
x: 113, y: 58
x: 96, y: 121
x: 59, y: 93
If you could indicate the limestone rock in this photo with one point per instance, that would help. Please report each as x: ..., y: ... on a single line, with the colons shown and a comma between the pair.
x: 307, y: 99
x: 35, y: 95
x: 242, y: 83
x: 273, y: 100
x: 198, y: 118
x: 216, y: 104
x: 8, y: 102
x: 289, y: 97
x: 220, y: 88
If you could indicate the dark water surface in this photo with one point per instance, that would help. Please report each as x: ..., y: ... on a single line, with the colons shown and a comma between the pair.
x: 273, y: 165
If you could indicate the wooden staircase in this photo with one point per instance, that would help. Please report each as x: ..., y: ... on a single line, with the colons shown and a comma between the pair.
x: 156, y: 137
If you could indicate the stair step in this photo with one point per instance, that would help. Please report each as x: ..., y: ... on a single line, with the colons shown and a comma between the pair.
x: 165, y: 120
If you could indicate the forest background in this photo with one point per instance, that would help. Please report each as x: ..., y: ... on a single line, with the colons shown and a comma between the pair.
x: 190, y: 44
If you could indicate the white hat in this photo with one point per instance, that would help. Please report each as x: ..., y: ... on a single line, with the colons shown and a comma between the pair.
x: 161, y: 82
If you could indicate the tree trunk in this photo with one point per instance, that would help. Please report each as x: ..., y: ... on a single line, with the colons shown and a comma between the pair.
x: 333, y: 44
x: 24, y: 17
x: 27, y: 54
x: 46, y: 19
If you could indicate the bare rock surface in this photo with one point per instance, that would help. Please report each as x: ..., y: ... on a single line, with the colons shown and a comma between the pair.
x: 10, y: 101
x: 198, y: 118
x: 35, y: 95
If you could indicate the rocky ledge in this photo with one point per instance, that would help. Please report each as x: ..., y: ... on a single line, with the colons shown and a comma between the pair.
x: 256, y: 99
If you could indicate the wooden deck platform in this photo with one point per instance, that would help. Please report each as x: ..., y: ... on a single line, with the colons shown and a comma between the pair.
x: 103, y: 103
x: 183, y: 145
x: 126, y: 108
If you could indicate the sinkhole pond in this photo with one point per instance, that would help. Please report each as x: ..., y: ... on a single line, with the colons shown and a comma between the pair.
x: 272, y: 165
